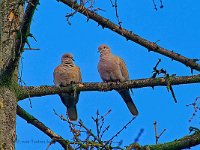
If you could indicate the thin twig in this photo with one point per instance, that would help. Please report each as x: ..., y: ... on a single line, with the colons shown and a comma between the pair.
x: 89, y: 131
x: 157, y: 137
x: 161, y: 4
x: 96, y: 120
x: 167, y: 76
x: 107, y: 113
x: 106, y: 129
x: 196, y: 107
x: 124, y: 127
x: 72, y: 126
x: 21, y: 82
x: 31, y: 49
x: 155, y: 7
x: 102, y: 123
x: 155, y: 131
x: 60, y: 116
x: 115, y: 5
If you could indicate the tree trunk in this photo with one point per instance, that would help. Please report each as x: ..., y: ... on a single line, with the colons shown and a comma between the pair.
x: 8, y: 104
x: 11, y: 12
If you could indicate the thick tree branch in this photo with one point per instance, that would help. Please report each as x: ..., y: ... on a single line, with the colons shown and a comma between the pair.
x: 31, y: 91
x: 32, y: 120
x: 183, y: 143
x: 21, y: 36
x: 129, y: 35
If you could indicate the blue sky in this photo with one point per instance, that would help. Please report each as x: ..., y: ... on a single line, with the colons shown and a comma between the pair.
x: 177, y: 28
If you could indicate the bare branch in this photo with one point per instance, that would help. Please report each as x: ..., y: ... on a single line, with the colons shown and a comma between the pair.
x: 96, y: 120
x: 155, y: 7
x: 123, y: 128
x: 157, y: 137
x: 115, y: 5
x: 32, y: 120
x: 129, y: 35
x: 90, y: 132
x: 185, y: 142
x: 196, y: 107
x: 182, y: 143
x: 31, y: 49
x: 161, y: 4
x: 33, y: 91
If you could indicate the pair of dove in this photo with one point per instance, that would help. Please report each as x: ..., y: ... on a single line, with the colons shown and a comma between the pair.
x: 111, y: 69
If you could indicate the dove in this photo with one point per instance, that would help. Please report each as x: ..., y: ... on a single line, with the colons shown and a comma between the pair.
x: 66, y: 73
x: 113, y: 69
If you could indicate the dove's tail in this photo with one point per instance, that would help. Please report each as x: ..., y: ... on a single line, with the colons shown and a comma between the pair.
x: 125, y: 94
x: 70, y: 102
x: 72, y: 113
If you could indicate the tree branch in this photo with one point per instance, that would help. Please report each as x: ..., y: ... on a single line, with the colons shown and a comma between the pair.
x: 183, y: 143
x: 129, y: 35
x: 21, y: 36
x: 32, y: 91
x: 32, y: 120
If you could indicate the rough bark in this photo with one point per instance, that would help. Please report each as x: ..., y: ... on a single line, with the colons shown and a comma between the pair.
x: 8, y: 104
x: 11, y: 12
x: 11, y: 16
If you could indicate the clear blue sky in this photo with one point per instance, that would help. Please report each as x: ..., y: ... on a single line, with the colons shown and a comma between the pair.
x: 177, y: 28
